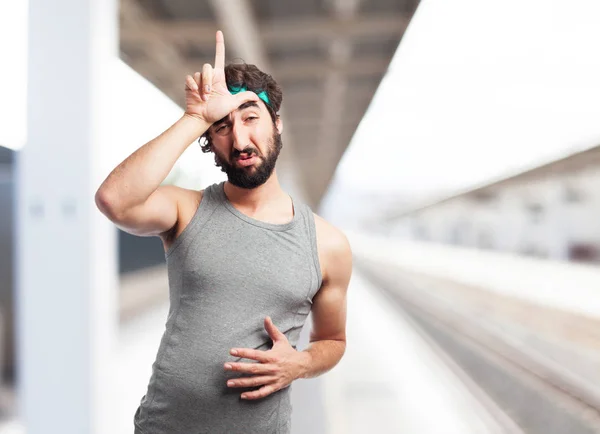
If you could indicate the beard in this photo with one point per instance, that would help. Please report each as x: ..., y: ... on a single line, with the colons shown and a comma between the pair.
x: 257, y: 174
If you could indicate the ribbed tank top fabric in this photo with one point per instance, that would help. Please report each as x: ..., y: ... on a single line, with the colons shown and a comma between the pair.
x: 227, y: 272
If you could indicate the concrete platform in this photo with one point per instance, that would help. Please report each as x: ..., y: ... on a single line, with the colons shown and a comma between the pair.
x: 389, y: 380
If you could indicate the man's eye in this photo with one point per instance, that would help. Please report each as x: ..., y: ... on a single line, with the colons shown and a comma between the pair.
x: 249, y: 118
x: 221, y: 128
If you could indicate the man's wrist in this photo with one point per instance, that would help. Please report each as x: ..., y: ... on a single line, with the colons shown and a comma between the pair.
x: 304, y: 363
x: 198, y: 123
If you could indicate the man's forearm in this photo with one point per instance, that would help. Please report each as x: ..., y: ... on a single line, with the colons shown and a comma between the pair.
x: 321, y: 356
x: 140, y: 174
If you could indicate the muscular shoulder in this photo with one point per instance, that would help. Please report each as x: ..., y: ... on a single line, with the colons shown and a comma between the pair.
x: 187, y: 199
x: 183, y: 196
x: 335, y: 253
x: 191, y: 197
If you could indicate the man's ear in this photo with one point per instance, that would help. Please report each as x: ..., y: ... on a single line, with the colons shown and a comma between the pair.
x: 279, y: 124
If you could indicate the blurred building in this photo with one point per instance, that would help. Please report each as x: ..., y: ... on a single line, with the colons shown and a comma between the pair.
x: 550, y: 211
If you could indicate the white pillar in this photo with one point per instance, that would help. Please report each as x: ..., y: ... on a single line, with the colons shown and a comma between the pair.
x: 557, y: 232
x: 66, y: 272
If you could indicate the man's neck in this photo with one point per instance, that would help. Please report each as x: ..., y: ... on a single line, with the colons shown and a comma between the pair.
x: 254, y: 199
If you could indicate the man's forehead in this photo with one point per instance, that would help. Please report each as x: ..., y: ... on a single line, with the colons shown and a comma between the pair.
x: 247, y: 104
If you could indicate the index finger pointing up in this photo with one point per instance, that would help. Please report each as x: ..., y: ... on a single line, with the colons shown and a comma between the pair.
x: 220, y: 53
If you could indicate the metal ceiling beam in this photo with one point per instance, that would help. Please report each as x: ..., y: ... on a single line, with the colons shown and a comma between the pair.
x: 300, y: 31
x: 336, y: 86
x: 368, y: 66
x: 165, y: 55
x: 240, y: 29
x: 163, y: 60
x: 316, y: 122
x: 281, y: 32
x: 301, y: 70
x: 296, y: 99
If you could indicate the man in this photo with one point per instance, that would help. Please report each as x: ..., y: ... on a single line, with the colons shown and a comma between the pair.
x: 246, y: 264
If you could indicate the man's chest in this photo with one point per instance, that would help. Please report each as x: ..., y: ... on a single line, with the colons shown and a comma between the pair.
x: 249, y: 268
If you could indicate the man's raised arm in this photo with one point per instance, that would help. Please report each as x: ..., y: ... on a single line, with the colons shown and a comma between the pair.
x: 131, y: 195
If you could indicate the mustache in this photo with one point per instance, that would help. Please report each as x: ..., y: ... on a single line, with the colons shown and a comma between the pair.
x: 247, y: 150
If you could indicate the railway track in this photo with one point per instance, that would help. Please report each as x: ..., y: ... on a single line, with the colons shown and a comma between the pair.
x: 526, y: 391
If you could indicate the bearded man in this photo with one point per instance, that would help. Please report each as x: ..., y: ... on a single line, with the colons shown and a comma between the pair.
x: 246, y: 262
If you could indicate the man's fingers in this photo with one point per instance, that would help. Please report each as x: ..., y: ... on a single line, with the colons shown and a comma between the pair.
x: 260, y: 393
x: 251, y: 353
x: 197, y: 79
x: 207, y: 78
x: 190, y: 83
x: 250, y: 381
x: 251, y: 368
x: 220, y: 52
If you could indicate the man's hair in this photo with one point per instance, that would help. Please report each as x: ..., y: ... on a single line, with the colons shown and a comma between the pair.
x: 249, y: 76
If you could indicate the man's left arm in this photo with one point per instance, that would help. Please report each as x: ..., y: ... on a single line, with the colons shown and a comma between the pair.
x: 328, y: 332
x: 281, y: 365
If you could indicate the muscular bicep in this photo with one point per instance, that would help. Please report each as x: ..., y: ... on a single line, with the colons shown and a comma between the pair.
x: 329, y: 304
x: 157, y: 215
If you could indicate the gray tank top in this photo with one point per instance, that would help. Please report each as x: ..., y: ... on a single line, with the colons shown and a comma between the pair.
x: 227, y: 272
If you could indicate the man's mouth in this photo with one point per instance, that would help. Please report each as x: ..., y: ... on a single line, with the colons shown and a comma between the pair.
x: 246, y: 160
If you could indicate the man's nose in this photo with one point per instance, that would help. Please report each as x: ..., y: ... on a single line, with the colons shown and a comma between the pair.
x: 240, y: 138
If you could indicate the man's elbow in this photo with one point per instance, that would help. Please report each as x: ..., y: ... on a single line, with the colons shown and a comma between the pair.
x: 106, y: 203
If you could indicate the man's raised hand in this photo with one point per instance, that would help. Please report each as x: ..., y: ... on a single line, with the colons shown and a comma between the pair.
x: 206, y: 93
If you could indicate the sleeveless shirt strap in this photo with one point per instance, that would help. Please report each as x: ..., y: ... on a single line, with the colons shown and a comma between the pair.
x: 310, y: 219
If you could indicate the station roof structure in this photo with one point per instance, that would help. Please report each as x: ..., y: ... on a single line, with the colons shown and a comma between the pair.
x: 328, y: 55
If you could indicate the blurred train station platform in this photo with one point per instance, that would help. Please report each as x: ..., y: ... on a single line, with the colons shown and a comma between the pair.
x: 457, y: 145
x: 428, y: 352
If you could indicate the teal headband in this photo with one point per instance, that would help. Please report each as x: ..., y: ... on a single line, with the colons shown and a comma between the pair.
x: 262, y: 95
